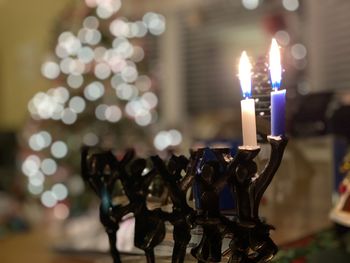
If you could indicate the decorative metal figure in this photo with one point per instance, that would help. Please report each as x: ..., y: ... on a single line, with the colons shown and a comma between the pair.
x: 213, y: 175
x: 99, y: 171
x: 209, y: 248
x: 182, y: 216
x: 251, y: 242
x: 149, y: 227
x: 253, y: 234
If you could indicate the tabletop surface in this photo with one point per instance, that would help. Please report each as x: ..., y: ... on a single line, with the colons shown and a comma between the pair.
x: 36, y: 246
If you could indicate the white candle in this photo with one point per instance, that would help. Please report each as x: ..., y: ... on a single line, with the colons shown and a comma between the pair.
x: 248, y: 122
x: 247, y: 105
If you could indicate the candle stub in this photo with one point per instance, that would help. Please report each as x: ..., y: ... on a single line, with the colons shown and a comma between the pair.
x: 248, y: 122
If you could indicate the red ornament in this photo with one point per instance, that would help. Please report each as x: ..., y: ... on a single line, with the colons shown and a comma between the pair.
x: 342, y: 188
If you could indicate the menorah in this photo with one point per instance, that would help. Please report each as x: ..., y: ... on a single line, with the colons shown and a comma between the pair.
x: 250, y: 235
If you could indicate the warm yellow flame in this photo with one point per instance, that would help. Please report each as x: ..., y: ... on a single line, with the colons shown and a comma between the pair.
x: 275, y: 65
x: 245, y: 68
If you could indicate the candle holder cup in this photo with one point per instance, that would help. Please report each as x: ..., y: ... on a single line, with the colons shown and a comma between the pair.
x: 250, y: 236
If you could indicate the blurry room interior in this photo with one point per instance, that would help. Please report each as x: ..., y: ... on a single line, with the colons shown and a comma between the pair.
x: 192, y: 67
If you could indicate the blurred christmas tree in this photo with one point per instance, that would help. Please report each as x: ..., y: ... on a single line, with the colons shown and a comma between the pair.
x: 101, y: 96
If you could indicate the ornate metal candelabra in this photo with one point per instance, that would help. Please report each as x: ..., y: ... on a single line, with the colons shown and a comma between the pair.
x: 251, y: 240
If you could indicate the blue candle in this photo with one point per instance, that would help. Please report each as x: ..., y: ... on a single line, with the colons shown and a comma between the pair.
x: 278, y: 108
x: 278, y: 97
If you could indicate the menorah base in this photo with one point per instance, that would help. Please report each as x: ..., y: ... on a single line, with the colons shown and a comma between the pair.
x: 207, y: 171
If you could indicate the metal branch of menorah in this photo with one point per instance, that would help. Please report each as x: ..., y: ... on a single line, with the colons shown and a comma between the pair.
x: 250, y: 241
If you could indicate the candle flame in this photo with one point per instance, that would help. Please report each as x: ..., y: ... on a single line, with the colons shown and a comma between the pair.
x: 275, y: 65
x: 245, y: 74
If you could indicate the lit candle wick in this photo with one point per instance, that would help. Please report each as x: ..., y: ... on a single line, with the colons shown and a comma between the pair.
x: 275, y: 65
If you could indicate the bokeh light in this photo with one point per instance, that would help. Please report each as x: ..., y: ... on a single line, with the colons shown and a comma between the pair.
x: 75, y: 185
x: 106, y: 8
x: 99, y: 53
x: 299, y: 51
x: 39, y: 141
x: 90, y: 139
x: 94, y: 91
x: 119, y: 28
x: 69, y: 116
x: 290, y: 5
x: 60, y: 192
x: 50, y: 70
x: 250, y: 4
x: 282, y: 37
x: 129, y: 74
x: 143, y: 118
x: 31, y: 165
x: 47, y: 105
x: 304, y: 88
x: 100, y: 112
x: 81, y: 57
x: 139, y: 29
x: 102, y: 71
x: 143, y: 83
x: 86, y: 55
x: 133, y: 107
x: 116, y: 80
x: 126, y: 91
x: 91, y: 22
x: 91, y: 3
x: 35, y: 189
x: 165, y: 139
x: 77, y: 104
x: 75, y: 81
x: 61, y: 211
x: 59, y: 149
x: 89, y: 36
x: 155, y: 23
x: 49, y: 166
x: 122, y: 47
x: 138, y: 54
x: 48, y: 199
x: 113, y: 114
x: 60, y: 94
x: 37, y: 179
x: 69, y: 43
x: 149, y: 100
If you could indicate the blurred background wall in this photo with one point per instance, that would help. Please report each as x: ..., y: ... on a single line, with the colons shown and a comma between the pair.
x: 26, y: 30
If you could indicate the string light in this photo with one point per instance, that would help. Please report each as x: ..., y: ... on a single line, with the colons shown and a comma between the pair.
x: 80, y: 55
x: 165, y: 139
